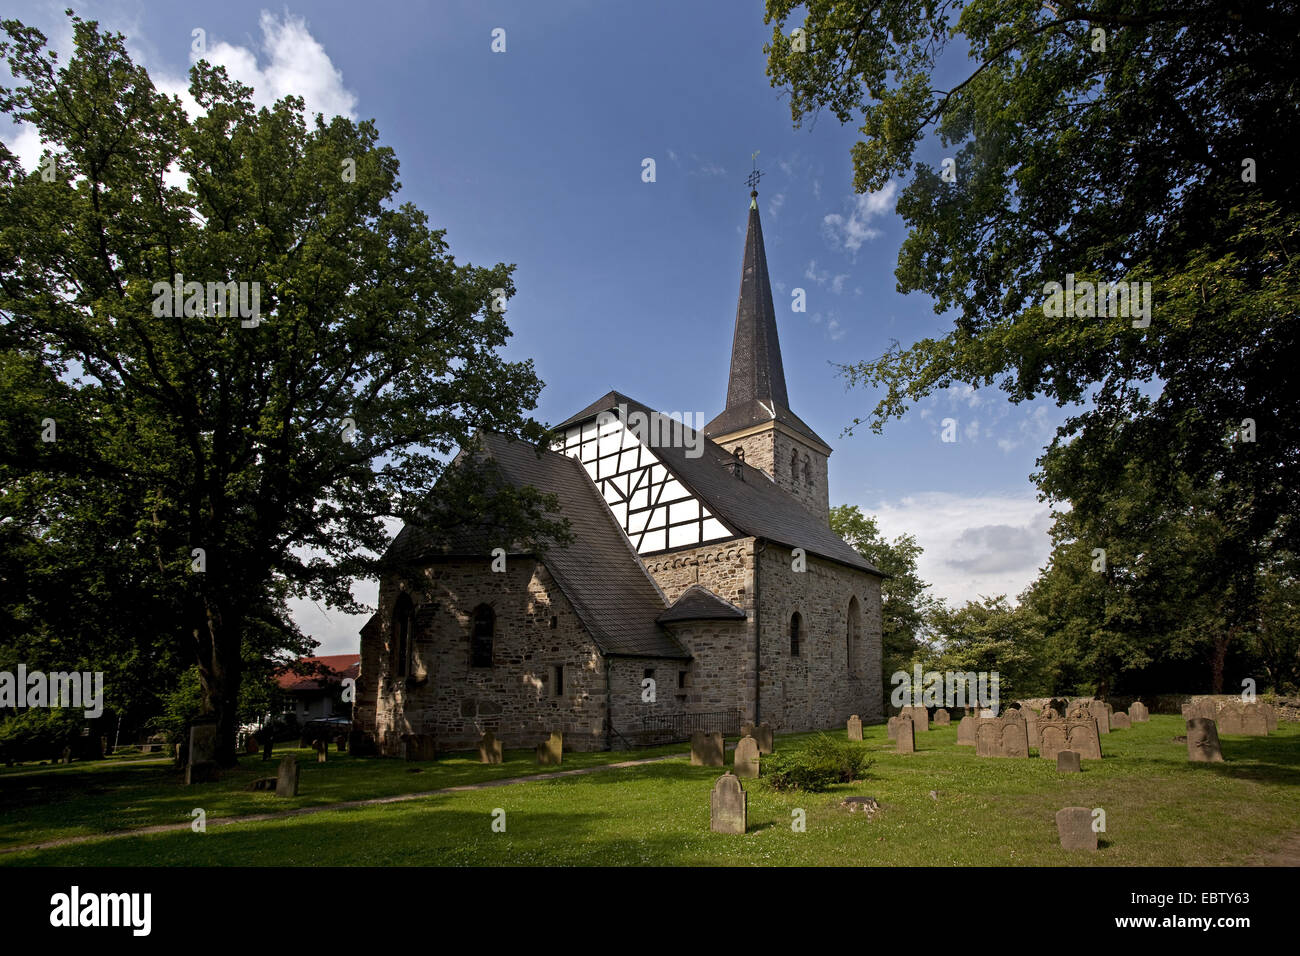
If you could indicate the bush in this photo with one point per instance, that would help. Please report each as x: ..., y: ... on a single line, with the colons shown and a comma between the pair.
x: 822, y: 763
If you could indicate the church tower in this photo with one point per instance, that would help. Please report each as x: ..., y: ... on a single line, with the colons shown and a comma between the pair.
x: 757, y: 418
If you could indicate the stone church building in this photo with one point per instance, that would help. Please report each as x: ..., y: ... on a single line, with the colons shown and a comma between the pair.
x: 703, y: 588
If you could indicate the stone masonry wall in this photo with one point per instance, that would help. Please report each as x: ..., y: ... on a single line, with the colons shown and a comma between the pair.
x: 769, y: 451
x: 515, y: 698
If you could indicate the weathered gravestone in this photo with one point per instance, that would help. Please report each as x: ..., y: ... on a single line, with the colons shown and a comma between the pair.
x: 891, y: 727
x: 286, y: 781
x: 1270, y: 717
x: 202, y: 764
x: 550, y: 752
x: 1230, y: 720
x: 746, y: 757
x: 920, y: 718
x: 1031, y: 726
x: 1002, y: 737
x: 1067, y: 761
x: 263, y: 783
x: 322, y: 750
x: 855, y: 728
x: 418, y: 747
x: 706, y: 749
x: 727, y: 805
x: 1253, y: 721
x: 1074, y: 827
x: 1119, y: 721
x: 267, y: 746
x: 761, y: 733
x: 942, y: 718
x: 489, y: 748
x: 1073, y: 733
x: 905, y: 734
x: 250, y: 745
x: 1138, y: 713
x: 341, y: 743
x: 1203, y: 741
x: 966, y: 731
x: 67, y: 755
x: 1100, y: 711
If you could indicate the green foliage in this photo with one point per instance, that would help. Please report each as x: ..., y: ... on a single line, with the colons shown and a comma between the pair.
x: 38, y: 733
x: 280, y: 444
x: 819, y: 765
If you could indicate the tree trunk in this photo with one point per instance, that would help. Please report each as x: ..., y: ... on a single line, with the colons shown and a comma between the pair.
x: 220, y: 671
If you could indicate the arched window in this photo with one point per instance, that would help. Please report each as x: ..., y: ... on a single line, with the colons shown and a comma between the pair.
x: 796, y: 625
x: 483, y: 626
x: 403, y: 615
x: 794, y: 465
x: 807, y: 469
x: 853, y: 634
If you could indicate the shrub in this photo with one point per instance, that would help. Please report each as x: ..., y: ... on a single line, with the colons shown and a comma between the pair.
x: 820, y: 764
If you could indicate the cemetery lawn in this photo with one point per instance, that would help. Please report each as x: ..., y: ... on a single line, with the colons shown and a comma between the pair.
x: 1160, y: 810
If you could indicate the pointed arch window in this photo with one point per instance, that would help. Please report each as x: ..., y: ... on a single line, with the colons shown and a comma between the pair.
x: 794, y: 465
x: 403, y: 619
x: 807, y: 469
x: 482, y: 632
x: 796, y: 628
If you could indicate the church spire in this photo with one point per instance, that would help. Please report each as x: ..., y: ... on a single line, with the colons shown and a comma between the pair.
x: 756, y: 390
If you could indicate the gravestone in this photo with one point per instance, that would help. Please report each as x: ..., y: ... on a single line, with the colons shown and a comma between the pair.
x: 905, y: 734
x: 1230, y: 720
x: 267, y: 745
x: 263, y: 783
x: 550, y: 753
x: 727, y: 805
x: 706, y: 749
x: 1002, y: 737
x: 1203, y: 741
x: 1078, y: 734
x: 250, y: 745
x: 489, y: 748
x: 920, y: 718
x: 966, y: 731
x: 746, y: 757
x: 67, y: 755
x: 1138, y: 713
x: 286, y: 781
x: 1031, y: 726
x: 322, y: 749
x: 891, y: 728
x: 1074, y: 827
x: 1270, y: 717
x: 1067, y: 761
x: 1119, y: 721
x: 202, y: 764
x: 1102, y: 713
x: 763, y: 735
x: 942, y: 718
x: 855, y: 728
x: 1253, y: 721
x: 341, y: 743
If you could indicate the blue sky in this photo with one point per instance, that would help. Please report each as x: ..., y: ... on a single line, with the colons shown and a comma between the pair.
x: 535, y: 156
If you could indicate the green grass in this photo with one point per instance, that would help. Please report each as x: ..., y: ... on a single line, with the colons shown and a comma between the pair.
x: 1160, y: 810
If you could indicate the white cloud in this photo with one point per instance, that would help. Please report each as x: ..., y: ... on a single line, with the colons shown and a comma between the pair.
x: 837, y: 283
x: 812, y: 273
x: 973, y: 544
x: 775, y: 203
x: 851, y: 231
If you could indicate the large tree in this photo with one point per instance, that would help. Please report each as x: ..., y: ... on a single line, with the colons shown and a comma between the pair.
x: 1136, y: 141
x: 256, y: 444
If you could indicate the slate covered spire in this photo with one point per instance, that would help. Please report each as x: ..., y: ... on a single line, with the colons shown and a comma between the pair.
x: 756, y: 387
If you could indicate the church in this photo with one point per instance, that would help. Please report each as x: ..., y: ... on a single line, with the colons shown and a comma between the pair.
x: 703, y: 587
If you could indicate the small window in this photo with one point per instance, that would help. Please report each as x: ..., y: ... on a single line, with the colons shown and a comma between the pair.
x: 557, y: 680
x: 796, y: 624
x: 649, y: 672
x: 555, y: 622
x: 681, y: 680
x: 794, y: 465
x: 403, y: 613
x: 481, y: 635
x: 807, y: 469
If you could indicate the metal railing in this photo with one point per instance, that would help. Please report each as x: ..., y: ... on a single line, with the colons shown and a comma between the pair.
x: 681, y: 726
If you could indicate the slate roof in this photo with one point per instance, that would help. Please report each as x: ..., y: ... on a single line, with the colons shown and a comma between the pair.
x: 757, y: 375
x: 698, y: 603
x: 753, y: 507
x: 600, y: 573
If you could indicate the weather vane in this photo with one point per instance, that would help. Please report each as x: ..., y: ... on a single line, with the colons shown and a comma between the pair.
x: 752, y: 179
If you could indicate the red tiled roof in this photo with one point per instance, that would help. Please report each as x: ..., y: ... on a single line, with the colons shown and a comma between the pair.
x: 339, y: 665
